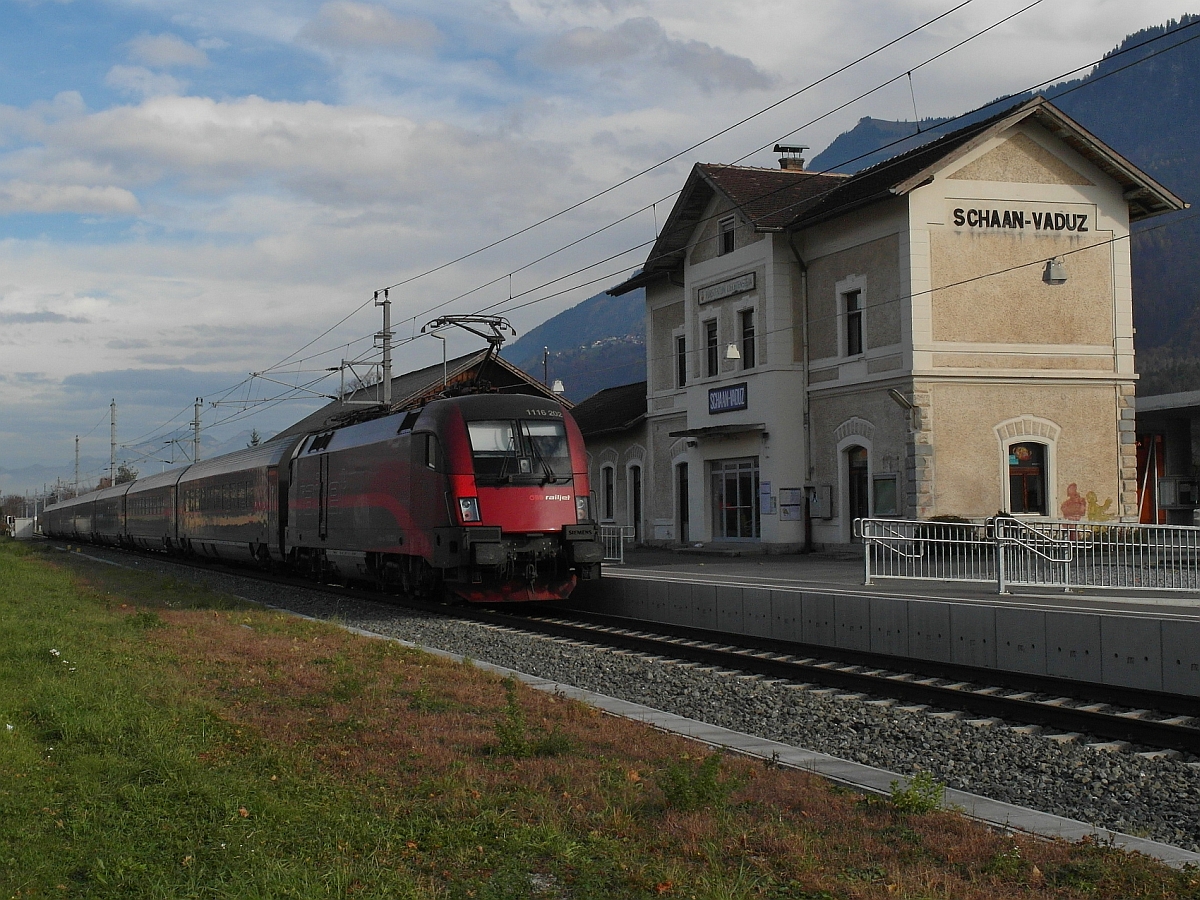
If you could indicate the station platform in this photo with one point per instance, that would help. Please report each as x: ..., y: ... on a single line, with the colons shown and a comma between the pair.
x: 1148, y: 641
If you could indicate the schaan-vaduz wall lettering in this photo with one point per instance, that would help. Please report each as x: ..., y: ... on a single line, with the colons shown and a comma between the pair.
x: 974, y: 217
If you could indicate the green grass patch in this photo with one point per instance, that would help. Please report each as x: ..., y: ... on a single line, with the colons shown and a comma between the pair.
x: 162, y: 740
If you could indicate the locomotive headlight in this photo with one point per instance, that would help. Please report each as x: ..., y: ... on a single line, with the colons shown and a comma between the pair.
x: 583, y: 508
x: 468, y: 508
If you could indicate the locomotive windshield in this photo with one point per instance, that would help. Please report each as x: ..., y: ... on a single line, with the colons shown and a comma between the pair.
x: 506, y: 451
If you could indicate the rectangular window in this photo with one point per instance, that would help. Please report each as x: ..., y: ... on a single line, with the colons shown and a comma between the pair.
x: 747, y: 317
x: 680, y: 361
x: 608, y: 511
x: 852, y: 307
x: 725, y: 244
x: 710, y: 347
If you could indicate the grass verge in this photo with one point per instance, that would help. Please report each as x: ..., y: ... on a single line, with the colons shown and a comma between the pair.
x: 161, y: 740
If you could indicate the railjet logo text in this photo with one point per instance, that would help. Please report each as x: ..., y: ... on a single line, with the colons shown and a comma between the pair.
x: 1020, y: 219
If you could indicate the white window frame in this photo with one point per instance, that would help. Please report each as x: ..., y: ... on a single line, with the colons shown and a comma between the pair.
x: 727, y: 225
x: 1029, y: 430
x: 751, y: 308
x: 711, y: 371
x: 677, y: 335
x: 845, y: 287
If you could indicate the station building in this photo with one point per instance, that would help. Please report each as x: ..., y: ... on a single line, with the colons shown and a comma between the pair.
x: 949, y: 332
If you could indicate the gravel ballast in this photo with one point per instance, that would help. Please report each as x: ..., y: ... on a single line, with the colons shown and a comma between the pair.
x: 1153, y: 798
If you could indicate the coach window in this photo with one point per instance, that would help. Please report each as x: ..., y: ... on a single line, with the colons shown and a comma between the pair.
x: 852, y: 320
x: 680, y: 361
x: 712, y: 358
x: 607, y: 493
x: 746, y: 317
x: 726, y: 242
x: 1027, y: 478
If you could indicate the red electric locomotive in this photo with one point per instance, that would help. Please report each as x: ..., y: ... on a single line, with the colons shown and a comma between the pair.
x: 482, y: 498
x: 485, y: 496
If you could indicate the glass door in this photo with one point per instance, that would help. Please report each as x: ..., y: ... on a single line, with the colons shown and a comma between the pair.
x: 735, y: 499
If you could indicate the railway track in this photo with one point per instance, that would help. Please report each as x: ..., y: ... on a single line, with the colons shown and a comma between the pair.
x: 1108, y: 718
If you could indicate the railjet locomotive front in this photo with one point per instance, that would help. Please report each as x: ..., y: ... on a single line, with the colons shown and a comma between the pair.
x: 483, y: 496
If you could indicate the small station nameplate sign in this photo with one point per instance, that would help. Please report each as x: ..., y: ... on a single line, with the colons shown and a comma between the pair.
x: 727, y: 399
x: 723, y: 289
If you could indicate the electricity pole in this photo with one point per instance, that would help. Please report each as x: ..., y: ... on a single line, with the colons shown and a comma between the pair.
x: 76, y: 465
x: 112, y: 446
x: 385, y: 337
x: 196, y: 431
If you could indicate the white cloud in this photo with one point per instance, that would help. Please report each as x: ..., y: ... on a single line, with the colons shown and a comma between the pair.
x: 643, y: 40
x: 142, y: 82
x: 349, y: 25
x: 164, y: 51
x: 26, y: 197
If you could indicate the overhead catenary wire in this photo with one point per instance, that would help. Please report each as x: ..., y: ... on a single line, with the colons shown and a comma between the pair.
x: 291, y: 357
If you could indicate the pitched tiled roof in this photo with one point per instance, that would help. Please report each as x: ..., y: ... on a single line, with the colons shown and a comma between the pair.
x: 771, y: 198
x: 612, y: 409
x: 776, y: 200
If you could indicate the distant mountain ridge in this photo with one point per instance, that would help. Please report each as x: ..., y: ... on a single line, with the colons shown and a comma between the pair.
x: 596, y: 344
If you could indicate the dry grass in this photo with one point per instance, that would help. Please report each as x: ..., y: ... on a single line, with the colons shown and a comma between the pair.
x: 412, y: 742
x: 404, y: 722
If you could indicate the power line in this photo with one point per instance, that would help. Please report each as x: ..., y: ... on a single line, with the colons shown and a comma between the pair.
x: 1174, y: 33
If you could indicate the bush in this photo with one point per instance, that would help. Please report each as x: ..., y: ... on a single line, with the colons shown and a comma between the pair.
x: 920, y: 796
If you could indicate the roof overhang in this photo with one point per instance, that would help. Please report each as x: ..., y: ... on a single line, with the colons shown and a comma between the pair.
x: 715, y: 431
x: 1146, y: 197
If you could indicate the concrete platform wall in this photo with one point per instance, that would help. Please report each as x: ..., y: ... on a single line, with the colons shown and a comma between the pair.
x: 1143, y: 653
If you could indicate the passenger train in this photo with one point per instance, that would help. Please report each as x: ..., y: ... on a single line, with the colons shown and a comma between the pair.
x: 481, y: 498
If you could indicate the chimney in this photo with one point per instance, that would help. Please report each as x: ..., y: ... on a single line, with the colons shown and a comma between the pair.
x: 791, y: 158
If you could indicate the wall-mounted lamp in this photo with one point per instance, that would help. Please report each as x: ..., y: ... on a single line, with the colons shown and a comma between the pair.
x: 731, y: 352
x: 558, y: 387
x: 1055, y: 272
x: 901, y: 401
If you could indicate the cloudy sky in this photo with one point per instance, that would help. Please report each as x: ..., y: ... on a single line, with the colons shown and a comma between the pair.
x: 190, y: 192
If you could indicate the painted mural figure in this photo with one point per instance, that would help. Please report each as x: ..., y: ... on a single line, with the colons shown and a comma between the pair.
x: 1097, y: 511
x: 1074, y: 507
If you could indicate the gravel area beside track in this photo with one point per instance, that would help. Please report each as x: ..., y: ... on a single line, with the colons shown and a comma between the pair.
x: 1157, y: 799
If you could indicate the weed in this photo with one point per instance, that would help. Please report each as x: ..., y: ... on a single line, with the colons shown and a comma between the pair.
x: 870, y: 874
x: 687, y: 786
x: 1007, y: 864
x: 147, y: 619
x: 921, y: 795
x: 511, y: 736
x: 421, y: 700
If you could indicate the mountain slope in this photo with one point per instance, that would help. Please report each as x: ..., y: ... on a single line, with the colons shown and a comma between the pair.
x: 596, y: 344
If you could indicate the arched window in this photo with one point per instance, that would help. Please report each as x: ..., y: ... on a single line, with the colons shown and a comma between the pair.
x: 1028, y: 465
x: 608, y: 510
x: 1027, y: 478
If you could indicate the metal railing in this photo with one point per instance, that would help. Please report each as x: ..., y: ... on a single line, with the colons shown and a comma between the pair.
x: 1011, y: 551
x: 614, y: 538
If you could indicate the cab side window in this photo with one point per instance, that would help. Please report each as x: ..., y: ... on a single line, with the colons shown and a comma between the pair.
x: 433, y: 453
